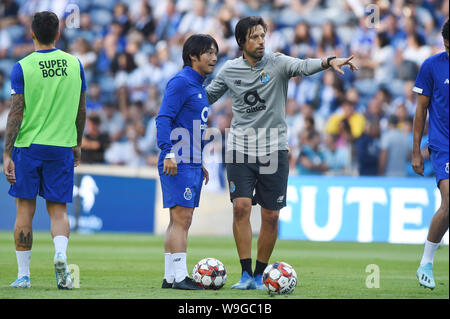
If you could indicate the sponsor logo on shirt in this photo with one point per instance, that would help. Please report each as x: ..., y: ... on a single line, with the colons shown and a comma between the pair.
x: 204, y: 116
x: 252, y: 98
x: 53, y: 68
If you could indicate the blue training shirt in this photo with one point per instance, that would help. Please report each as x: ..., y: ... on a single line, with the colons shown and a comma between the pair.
x: 42, y: 152
x: 184, y: 114
x: 432, y: 81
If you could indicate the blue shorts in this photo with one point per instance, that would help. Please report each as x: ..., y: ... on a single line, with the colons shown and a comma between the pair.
x: 183, y: 189
x: 439, y: 159
x: 50, y: 178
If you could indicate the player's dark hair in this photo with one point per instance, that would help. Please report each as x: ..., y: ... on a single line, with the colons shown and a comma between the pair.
x: 245, y: 26
x: 196, y: 45
x: 45, y: 26
x: 445, y: 30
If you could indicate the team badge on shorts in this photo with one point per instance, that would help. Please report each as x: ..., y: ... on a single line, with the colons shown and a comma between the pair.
x: 232, y: 187
x: 187, y: 194
x: 264, y: 77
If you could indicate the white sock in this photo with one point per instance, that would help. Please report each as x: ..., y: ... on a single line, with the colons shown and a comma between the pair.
x: 179, y: 265
x: 23, y: 263
x: 60, y: 244
x: 428, y: 252
x: 169, y: 273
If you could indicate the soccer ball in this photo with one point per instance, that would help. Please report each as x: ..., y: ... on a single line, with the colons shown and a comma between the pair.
x: 280, y: 278
x: 210, y: 273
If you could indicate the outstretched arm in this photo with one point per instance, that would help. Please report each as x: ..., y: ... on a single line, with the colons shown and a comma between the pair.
x: 338, y: 63
x: 13, y: 124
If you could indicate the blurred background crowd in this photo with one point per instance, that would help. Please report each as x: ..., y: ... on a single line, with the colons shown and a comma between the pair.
x: 356, y: 124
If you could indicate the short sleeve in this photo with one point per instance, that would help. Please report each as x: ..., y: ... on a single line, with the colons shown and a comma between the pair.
x: 83, y: 78
x: 17, y: 82
x: 424, y: 80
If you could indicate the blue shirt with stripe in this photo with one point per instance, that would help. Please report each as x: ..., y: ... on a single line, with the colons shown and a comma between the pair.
x: 182, y: 118
x: 433, y: 81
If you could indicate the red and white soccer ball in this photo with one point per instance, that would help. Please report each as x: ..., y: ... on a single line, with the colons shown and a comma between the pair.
x: 280, y: 278
x: 210, y: 273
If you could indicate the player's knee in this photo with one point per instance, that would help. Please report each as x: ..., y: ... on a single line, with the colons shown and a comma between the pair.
x: 241, y: 210
x: 270, y: 218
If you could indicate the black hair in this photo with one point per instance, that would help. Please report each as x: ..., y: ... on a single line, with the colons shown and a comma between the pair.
x: 383, y: 38
x: 45, y: 26
x: 196, y: 45
x: 445, y: 30
x: 393, y: 120
x: 244, y: 27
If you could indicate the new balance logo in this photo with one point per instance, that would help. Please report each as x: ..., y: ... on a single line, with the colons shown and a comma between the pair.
x: 280, y: 199
x: 237, y: 82
x: 177, y: 260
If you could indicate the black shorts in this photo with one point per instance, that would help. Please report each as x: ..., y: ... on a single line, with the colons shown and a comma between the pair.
x: 265, y: 182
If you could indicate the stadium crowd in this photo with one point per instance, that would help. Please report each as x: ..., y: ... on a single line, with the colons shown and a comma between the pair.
x: 356, y: 124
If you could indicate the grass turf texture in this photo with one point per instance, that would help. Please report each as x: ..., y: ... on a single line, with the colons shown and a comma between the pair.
x: 131, y: 266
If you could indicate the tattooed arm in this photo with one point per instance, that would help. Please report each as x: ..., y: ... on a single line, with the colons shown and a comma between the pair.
x: 80, y: 122
x: 13, y: 124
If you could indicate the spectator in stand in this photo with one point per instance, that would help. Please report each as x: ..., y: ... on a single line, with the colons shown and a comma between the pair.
x: 367, y: 148
x: 303, y: 45
x: 126, y: 152
x: 330, y: 43
x: 328, y: 94
x: 94, y: 101
x: 145, y: 22
x: 94, y: 142
x: 82, y: 49
x: 395, y: 150
x: 112, y: 121
x: 338, y: 159
x: 382, y: 60
x: 397, y: 37
x: 311, y: 160
x: 416, y: 49
x: 167, y: 26
x: 121, y: 16
x: 408, y: 99
x: 347, y: 112
x: 196, y: 20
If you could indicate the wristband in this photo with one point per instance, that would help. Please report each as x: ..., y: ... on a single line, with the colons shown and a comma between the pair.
x: 329, y: 60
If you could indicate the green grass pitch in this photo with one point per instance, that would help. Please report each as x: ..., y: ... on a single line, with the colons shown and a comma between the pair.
x: 131, y: 266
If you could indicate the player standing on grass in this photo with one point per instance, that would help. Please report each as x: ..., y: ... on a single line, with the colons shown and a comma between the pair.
x: 181, y: 122
x: 432, y: 86
x: 42, y: 143
x: 258, y: 85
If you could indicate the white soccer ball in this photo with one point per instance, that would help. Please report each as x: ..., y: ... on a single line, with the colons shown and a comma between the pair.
x: 280, y: 278
x: 210, y: 273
